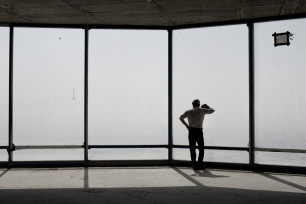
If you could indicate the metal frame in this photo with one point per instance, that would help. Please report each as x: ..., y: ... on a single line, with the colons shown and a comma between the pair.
x: 215, y: 147
x: 126, y: 146
x: 86, y: 162
x: 251, y: 95
x: 11, y: 66
x: 140, y: 163
x: 280, y: 150
x: 247, y: 167
x: 279, y: 44
x: 21, y: 147
x: 170, y: 104
x: 86, y: 96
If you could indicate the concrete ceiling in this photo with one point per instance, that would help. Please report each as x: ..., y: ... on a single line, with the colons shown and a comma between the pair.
x: 144, y: 12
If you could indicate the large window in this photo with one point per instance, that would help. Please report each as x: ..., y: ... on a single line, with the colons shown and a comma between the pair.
x: 48, y: 92
x: 211, y: 64
x: 280, y: 92
x: 128, y: 92
x: 4, y: 88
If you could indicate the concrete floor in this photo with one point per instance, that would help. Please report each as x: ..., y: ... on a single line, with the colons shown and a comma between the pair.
x: 148, y: 185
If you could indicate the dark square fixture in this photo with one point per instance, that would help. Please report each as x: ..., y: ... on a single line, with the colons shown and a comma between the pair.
x: 281, y: 38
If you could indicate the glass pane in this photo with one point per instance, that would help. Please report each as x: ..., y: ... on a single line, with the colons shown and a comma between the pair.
x: 128, y: 94
x: 128, y: 154
x: 214, y: 155
x: 48, y: 155
x: 48, y: 87
x: 280, y: 87
x: 4, y: 89
x: 281, y: 158
x: 3, y: 155
x: 211, y: 64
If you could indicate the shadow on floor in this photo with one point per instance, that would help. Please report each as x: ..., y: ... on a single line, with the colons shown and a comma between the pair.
x: 283, y: 181
x: 206, y: 173
x: 4, y: 172
x: 190, y: 194
x: 187, y: 176
x: 86, y: 181
x: 198, y: 173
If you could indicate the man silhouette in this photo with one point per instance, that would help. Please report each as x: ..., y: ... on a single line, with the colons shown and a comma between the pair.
x: 195, y: 118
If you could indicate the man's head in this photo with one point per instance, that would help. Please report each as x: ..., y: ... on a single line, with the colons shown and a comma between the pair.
x: 196, y: 103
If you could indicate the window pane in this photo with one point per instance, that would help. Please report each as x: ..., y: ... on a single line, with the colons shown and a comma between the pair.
x: 48, y: 155
x: 280, y: 86
x: 4, y: 89
x: 281, y: 158
x: 128, y: 94
x: 3, y: 155
x: 214, y: 155
x: 211, y: 64
x: 128, y: 154
x: 48, y: 87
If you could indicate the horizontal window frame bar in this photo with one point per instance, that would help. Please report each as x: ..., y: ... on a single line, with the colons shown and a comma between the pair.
x: 23, y: 147
x: 125, y: 146
x: 245, y: 166
x: 166, y: 146
x: 90, y: 163
x: 259, y: 149
x: 146, y: 163
x: 215, y: 147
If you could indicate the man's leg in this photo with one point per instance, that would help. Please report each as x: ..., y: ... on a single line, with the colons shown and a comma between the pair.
x: 192, y: 144
x: 200, y: 141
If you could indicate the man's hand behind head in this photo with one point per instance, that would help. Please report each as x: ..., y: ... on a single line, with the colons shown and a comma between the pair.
x: 204, y: 106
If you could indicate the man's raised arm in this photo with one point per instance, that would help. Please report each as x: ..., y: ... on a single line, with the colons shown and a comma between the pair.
x: 208, y: 109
